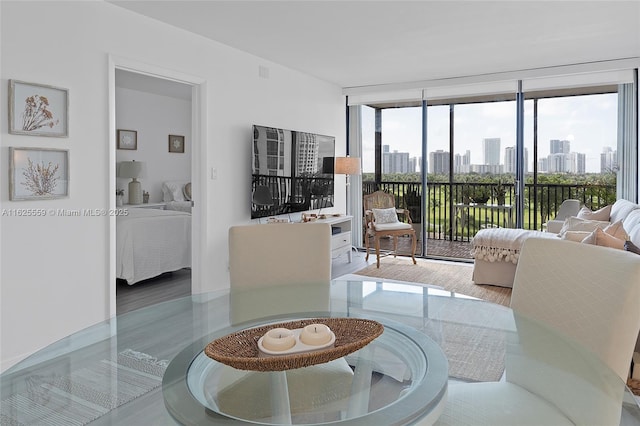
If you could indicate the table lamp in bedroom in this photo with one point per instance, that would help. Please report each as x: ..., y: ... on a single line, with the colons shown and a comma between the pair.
x: 134, y: 170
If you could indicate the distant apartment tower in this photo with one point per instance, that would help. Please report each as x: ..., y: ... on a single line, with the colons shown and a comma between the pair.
x: 577, y: 163
x: 557, y: 163
x: 439, y: 162
x: 491, y: 151
x: 413, y: 164
x: 395, y: 162
x: 461, y: 163
x: 608, y: 160
x: 562, y: 160
x: 510, y: 160
x: 543, y: 165
x: 557, y: 146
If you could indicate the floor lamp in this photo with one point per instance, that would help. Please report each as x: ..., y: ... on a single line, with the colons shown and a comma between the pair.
x: 347, y: 166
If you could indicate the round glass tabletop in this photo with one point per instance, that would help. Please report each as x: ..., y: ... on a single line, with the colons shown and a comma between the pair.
x: 399, y: 377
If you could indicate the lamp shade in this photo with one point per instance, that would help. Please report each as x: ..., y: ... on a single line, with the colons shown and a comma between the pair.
x: 347, y: 166
x: 132, y: 169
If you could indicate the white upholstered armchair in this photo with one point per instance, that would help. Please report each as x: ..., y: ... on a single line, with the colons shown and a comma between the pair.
x: 589, y: 296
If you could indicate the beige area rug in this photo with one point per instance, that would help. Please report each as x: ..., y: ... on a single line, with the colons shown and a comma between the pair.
x: 452, y: 276
x: 474, y: 353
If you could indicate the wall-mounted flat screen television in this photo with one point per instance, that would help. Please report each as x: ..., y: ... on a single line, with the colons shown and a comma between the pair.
x: 291, y: 171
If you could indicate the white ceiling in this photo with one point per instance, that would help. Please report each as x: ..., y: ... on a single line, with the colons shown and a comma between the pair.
x: 360, y: 43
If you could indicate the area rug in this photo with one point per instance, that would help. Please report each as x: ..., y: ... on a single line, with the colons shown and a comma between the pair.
x: 452, y: 276
x: 84, y: 395
x: 474, y: 353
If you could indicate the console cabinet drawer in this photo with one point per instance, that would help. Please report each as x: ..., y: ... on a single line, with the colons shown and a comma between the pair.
x: 341, y: 240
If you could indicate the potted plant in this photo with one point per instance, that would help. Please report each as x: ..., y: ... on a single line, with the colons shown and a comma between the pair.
x: 412, y: 201
x: 481, y: 194
x: 499, y: 193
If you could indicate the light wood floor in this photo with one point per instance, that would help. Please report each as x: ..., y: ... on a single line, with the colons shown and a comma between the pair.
x: 171, y: 285
x: 177, y: 284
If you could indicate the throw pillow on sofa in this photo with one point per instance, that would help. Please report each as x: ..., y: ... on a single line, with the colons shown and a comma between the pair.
x: 574, y: 223
x: 602, y: 214
x: 617, y: 230
x: 576, y: 236
x: 601, y: 238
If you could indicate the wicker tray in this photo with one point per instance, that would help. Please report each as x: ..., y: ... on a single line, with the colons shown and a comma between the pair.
x: 240, y: 349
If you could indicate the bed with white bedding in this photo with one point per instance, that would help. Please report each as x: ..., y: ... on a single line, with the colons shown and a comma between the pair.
x: 150, y: 242
x: 181, y: 206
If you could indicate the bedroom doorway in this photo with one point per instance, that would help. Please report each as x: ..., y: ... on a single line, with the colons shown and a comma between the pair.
x: 153, y: 108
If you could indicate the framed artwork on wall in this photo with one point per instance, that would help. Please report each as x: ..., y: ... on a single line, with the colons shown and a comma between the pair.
x: 38, y: 173
x: 127, y: 139
x: 38, y: 109
x: 176, y: 143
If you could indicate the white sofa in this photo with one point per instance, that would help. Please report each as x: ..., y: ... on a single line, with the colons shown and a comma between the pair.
x: 496, y: 250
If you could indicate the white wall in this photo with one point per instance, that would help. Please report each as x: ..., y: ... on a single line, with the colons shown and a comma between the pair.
x: 154, y: 117
x: 54, y: 270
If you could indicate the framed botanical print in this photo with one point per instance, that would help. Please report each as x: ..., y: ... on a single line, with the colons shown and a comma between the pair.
x: 38, y: 173
x: 38, y: 109
x: 127, y: 139
x: 176, y: 143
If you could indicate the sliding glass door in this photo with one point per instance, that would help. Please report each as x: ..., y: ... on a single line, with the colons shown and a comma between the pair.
x: 460, y: 174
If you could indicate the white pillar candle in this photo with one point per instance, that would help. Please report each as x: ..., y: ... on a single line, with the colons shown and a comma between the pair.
x: 315, y: 335
x: 278, y: 339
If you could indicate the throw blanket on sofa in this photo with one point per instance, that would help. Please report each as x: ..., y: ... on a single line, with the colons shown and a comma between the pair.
x: 502, y: 244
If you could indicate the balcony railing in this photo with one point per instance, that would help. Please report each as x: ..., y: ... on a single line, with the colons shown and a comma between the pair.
x: 453, y: 215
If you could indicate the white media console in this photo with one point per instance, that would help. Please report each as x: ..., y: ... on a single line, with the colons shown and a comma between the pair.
x: 340, y: 240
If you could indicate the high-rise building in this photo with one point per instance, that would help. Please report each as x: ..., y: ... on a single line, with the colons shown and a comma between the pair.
x: 543, y: 165
x: 462, y: 162
x: 557, y: 163
x: 608, y: 160
x: 510, y: 160
x: 562, y: 160
x: 557, y: 146
x: 491, y: 151
x: 439, y: 162
x: 577, y: 163
x: 413, y: 164
x: 396, y: 162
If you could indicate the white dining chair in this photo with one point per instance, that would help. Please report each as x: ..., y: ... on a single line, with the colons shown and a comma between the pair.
x: 278, y: 268
x: 588, y: 299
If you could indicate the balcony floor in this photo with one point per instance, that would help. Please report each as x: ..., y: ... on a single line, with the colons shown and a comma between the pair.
x: 435, y: 248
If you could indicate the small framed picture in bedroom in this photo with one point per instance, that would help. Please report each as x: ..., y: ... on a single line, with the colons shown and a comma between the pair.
x: 127, y: 139
x: 176, y: 143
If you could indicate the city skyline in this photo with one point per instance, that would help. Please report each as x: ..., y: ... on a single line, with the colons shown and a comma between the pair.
x: 588, y: 122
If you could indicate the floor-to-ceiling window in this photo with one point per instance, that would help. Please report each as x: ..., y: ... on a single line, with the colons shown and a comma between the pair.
x: 575, y: 146
x: 471, y: 155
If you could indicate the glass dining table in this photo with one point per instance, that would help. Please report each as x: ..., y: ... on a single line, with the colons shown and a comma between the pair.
x: 149, y: 366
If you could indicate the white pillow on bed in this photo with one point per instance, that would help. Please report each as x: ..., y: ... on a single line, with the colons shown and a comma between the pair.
x: 173, y: 191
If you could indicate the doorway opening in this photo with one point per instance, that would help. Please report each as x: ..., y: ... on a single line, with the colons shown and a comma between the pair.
x: 159, y: 113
